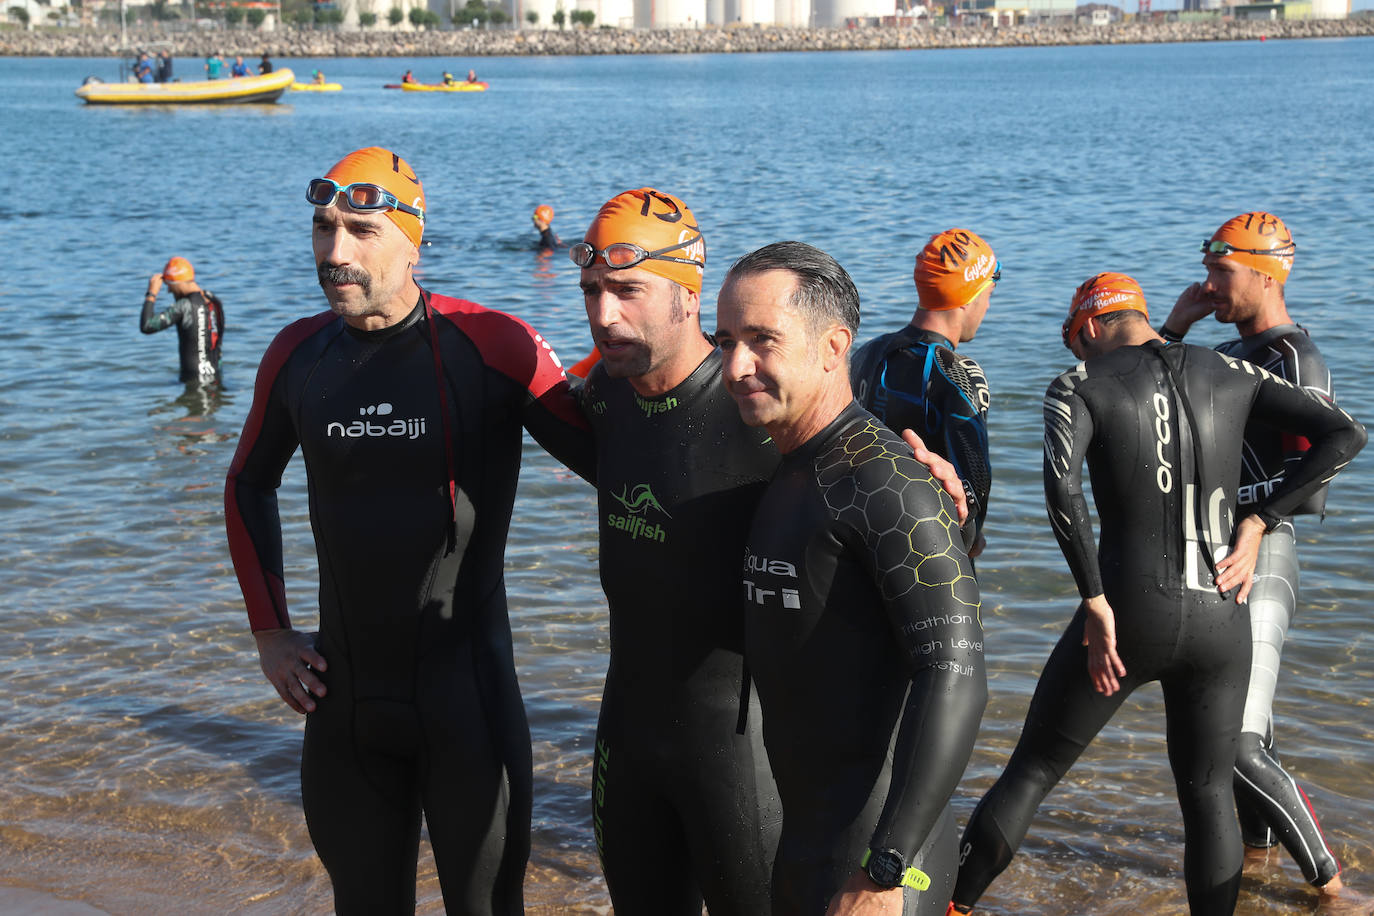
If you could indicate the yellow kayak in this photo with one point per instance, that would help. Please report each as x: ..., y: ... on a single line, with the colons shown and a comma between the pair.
x: 316, y: 87
x: 264, y: 88
x: 440, y: 87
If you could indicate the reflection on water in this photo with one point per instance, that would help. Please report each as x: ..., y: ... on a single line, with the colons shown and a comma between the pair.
x: 149, y: 767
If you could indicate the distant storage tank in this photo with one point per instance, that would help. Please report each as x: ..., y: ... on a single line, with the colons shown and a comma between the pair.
x: 749, y: 12
x: 794, y: 14
x: 618, y: 13
x: 715, y: 12
x: 669, y: 14
x: 830, y: 14
x: 1330, y: 9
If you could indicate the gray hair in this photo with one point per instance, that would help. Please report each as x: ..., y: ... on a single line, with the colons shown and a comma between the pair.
x: 825, y: 292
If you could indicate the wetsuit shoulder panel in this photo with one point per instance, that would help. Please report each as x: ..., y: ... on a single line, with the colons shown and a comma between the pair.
x: 516, y: 351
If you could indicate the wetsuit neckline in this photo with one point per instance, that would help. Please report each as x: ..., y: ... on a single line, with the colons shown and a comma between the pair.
x: 827, y: 436
x: 699, y: 378
x: 1274, y: 333
x: 390, y: 331
x: 925, y: 335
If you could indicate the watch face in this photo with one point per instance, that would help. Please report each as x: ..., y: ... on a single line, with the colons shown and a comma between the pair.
x: 885, y: 868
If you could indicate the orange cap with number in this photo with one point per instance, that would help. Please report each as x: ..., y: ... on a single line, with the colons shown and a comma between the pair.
x: 654, y: 221
x: 543, y: 213
x: 1100, y: 294
x: 1257, y: 232
x: 954, y: 267
x: 393, y: 174
x: 178, y: 270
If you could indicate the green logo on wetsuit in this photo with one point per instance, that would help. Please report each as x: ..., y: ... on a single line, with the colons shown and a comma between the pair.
x: 652, y: 407
x: 637, y: 502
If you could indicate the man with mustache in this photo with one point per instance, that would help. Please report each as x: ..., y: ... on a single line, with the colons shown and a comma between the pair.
x: 407, y: 406
x: 1247, y: 262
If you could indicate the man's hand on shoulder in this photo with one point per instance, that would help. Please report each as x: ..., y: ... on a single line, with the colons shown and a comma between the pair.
x: 941, y: 470
x: 289, y: 660
x: 861, y: 897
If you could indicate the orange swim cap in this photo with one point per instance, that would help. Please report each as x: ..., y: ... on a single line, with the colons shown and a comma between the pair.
x: 1100, y: 294
x: 1255, y: 232
x: 543, y: 213
x: 954, y: 267
x: 390, y: 172
x: 654, y: 221
x: 179, y: 270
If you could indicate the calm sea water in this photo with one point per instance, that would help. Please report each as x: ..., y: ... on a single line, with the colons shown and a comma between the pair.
x: 148, y: 767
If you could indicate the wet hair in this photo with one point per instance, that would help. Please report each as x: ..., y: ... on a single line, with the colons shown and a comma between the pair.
x: 825, y: 292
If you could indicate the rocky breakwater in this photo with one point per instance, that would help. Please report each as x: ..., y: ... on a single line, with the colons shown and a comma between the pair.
x: 288, y: 43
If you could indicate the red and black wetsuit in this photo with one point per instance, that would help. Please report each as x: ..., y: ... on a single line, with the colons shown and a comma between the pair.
x: 199, y: 319
x: 1159, y: 427
x: 423, y: 712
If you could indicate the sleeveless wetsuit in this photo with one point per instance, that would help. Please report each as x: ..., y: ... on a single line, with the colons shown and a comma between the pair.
x: 1272, y: 806
x: 683, y: 802
x: 199, y: 320
x: 914, y: 379
x: 864, y: 640
x: 423, y: 712
x: 1158, y: 426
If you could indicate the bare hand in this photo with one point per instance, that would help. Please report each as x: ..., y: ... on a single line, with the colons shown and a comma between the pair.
x: 290, y: 661
x: 941, y: 470
x: 1237, y: 568
x: 1099, y: 635
x: 154, y: 284
x: 861, y: 897
x: 1192, y: 306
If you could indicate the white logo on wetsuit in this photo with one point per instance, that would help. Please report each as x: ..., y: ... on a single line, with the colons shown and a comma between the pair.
x: 1164, y: 476
x: 402, y: 428
x: 790, y: 597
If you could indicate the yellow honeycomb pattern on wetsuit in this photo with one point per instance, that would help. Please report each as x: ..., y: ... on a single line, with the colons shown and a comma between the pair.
x: 865, y: 483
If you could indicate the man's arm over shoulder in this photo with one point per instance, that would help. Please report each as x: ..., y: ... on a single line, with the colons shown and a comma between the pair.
x: 931, y: 599
x: 549, y: 408
x: 1068, y: 432
x: 250, y: 491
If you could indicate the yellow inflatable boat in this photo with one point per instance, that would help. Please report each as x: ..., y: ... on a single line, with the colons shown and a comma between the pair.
x: 265, y: 88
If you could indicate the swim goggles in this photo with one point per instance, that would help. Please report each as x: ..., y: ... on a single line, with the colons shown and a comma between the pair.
x: 360, y: 196
x: 1217, y: 246
x: 624, y: 255
x: 996, y: 273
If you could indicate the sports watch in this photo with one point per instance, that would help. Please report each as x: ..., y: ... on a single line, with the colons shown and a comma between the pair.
x: 887, y: 868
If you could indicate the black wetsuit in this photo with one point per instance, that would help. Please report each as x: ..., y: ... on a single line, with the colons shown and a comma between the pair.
x: 683, y: 803
x: 1165, y: 467
x: 199, y: 320
x: 423, y: 712
x: 547, y: 240
x: 1272, y: 807
x: 914, y: 379
x: 864, y: 640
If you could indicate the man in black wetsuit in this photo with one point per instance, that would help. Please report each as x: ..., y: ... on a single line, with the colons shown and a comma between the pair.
x: 862, y: 613
x: 913, y: 379
x: 1159, y: 426
x: 543, y: 221
x: 683, y: 805
x: 197, y: 314
x: 407, y: 406
x: 1247, y: 261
